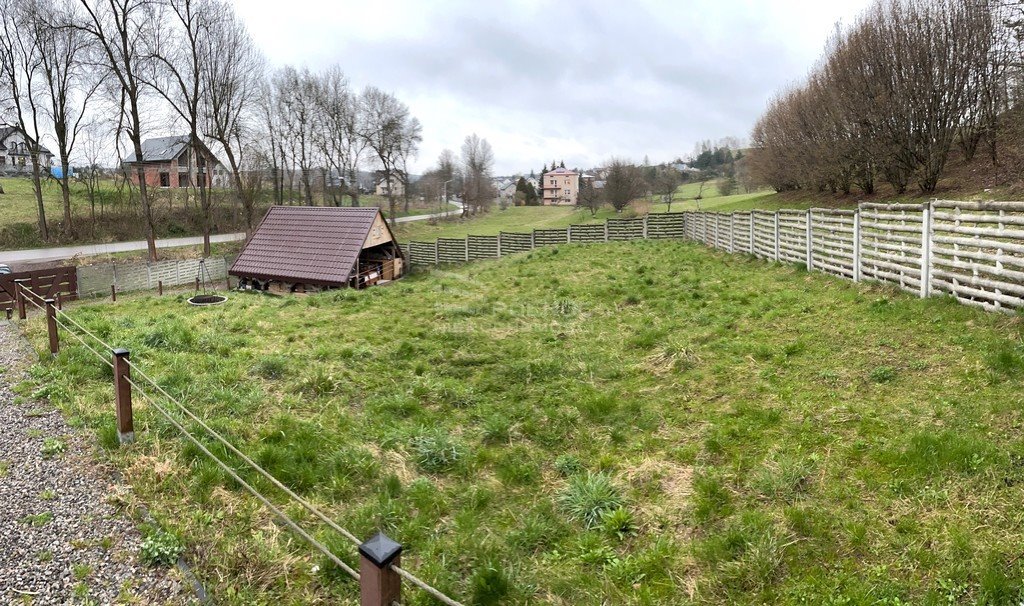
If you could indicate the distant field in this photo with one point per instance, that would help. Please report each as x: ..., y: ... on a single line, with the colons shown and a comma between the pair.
x: 627, y: 423
x: 175, y: 217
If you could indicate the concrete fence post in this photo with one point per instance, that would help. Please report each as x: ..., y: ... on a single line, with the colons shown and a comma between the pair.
x: 752, y: 232
x: 19, y: 298
x: 926, y: 250
x: 777, y: 255
x: 379, y: 584
x: 856, y: 245
x: 533, y: 239
x: 123, y: 397
x: 437, y: 252
x: 499, y: 244
x: 51, y: 327
x: 606, y: 230
x: 732, y: 232
x: 568, y: 234
x: 645, y: 226
x: 467, y: 249
x: 810, y: 241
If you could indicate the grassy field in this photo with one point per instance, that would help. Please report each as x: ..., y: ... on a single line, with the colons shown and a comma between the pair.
x: 525, y: 218
x: 577, y: 425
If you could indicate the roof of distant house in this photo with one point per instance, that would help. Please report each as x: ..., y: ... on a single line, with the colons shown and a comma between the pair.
x: 7, y: 130
x: 306, y: 244
x: 163, y: 149
x: 561, y: 171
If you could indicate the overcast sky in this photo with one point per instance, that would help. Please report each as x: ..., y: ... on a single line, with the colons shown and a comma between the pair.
x: 575, y: 81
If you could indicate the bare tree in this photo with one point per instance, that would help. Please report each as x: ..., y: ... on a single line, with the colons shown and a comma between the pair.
x: 624, y: 184
x: 477, y: 163
x: 590, y: 197
x: 118, y: 28
x: 295, y: 96
x: 389, y: 131
x: 21, y: 59
x: 233, y: 74
x: 178, y: 55
x: 666, y: 182
x: 69, y: 84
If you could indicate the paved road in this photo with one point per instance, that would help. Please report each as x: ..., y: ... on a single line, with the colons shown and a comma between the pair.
x: 42, y: 255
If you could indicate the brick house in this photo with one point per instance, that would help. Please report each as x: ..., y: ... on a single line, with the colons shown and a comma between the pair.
x: 561, y: 186
x: 169, y: 163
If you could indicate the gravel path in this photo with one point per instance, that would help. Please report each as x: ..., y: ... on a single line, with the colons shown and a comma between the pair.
x: 62, y: 541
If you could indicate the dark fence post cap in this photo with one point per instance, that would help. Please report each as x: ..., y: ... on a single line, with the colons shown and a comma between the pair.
x: 120, y: 351
x: 380, y: 550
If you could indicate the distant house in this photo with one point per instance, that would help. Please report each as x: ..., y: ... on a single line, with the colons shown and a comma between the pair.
x: 16, y: 152
x: 506, y: 188
x: 168, y: 162
x: 312, y: 248
x: 561, y: 186
x: 397, y: 186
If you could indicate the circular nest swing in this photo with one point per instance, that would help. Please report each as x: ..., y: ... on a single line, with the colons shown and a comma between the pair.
x: 201, y: 300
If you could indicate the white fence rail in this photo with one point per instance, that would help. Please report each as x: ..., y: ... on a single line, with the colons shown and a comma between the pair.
x: 973, y: 251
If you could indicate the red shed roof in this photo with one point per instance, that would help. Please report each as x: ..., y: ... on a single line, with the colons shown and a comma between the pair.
x: 306, y: 244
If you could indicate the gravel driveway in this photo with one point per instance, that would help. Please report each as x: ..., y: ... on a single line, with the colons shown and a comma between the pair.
x: 62, y: 541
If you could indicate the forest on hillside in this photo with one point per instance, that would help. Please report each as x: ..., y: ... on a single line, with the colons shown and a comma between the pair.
x: 894, y: 96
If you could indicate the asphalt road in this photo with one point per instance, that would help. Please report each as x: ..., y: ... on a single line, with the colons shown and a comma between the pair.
x: 18, y: 259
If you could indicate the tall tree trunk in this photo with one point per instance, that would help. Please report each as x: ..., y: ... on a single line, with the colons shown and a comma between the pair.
x: 44, y: 232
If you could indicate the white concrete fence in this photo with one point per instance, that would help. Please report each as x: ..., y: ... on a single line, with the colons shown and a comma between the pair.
x: 124, y: 277
x: 973, y: 251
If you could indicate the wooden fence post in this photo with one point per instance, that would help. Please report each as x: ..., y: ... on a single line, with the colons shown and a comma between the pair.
x: 160, y: 287
x: 123, y: 397
x: 19, y: 298
x: 60, y: 304
x: 379, y: 585
x: 776, y: 236
x: 926, y: 250
x: 113, y: 293
x: 51, y: 327
x: 810, y: 241
x: 856, y: 245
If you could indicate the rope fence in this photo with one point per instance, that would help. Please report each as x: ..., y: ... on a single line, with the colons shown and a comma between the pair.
x: 379, y: 575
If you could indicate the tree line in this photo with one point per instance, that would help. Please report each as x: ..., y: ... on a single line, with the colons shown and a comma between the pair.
x: 892, y: 96
x: 98, y: 76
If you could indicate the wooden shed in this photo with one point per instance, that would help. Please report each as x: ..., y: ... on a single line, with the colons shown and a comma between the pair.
x: 312, y: 248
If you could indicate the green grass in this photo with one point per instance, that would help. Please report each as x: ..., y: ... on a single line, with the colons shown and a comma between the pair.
x: 762, y: 435
x: 515, y: 218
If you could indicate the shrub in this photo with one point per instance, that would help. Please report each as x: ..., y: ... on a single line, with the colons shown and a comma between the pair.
x: 161, y: 548
x: 589, y: 496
